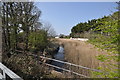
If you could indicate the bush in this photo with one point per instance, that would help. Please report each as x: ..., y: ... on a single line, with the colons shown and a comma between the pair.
x: 38, y: 40
x: 27, y: 67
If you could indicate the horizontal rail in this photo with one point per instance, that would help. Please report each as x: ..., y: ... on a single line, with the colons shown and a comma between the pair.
x: 66, y: 70
x: 70, y: 64
x: 61, y: 68
x: 8, y: 72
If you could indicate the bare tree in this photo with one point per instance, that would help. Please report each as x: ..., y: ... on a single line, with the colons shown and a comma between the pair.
x: 49, y: 29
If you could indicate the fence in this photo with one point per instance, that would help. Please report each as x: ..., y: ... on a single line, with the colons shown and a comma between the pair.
x: 7, y: 72
x: 67, y: 63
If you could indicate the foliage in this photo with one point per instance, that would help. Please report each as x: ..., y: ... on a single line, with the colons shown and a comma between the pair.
x: 103, y: 33
x: 38, y: 40
x: 22, y: 33
x: 18, y: 17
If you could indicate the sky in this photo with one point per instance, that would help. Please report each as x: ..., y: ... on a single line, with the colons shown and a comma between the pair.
x: 64, y: 15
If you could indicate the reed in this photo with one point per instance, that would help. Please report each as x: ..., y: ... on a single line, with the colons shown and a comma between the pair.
x: 82, y: 53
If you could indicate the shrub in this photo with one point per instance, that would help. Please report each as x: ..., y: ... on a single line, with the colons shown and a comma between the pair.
x: 38, y: 40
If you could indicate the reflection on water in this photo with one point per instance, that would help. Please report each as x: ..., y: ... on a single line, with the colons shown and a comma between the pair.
x: 59, y: 56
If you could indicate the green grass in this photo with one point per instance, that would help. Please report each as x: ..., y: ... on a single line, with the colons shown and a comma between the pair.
x: 106, y: 43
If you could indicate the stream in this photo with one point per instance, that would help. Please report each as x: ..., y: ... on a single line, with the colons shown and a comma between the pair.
x: 59, y: 56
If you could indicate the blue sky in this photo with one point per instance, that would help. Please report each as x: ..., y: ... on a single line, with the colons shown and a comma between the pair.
x: 64, y: 15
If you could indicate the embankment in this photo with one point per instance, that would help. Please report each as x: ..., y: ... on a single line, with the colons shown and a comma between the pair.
x: 81, y: 53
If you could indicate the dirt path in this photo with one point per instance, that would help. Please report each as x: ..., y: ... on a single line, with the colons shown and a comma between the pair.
x: 81, y: 53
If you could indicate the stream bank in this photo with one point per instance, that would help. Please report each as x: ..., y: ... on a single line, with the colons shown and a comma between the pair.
x: 81, y: 53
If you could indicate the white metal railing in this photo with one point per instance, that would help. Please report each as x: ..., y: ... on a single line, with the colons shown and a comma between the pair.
x: 65, y: 70
x: 71, y: 64
x: 8, y: 72
x: 5, y: 71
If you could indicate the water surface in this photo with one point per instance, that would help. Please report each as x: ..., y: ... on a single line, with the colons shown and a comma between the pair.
x: 59, y: 56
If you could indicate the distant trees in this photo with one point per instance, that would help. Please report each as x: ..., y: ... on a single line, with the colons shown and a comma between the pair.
x: 64, y: 36
x: 106, y: 25
x: 61, y: 36
x: 79, y: 28
x: 49, y: 29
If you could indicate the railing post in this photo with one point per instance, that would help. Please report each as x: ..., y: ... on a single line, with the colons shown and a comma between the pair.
x: 70, y: 70
x: 7, y: 72
x: 4, y: 76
